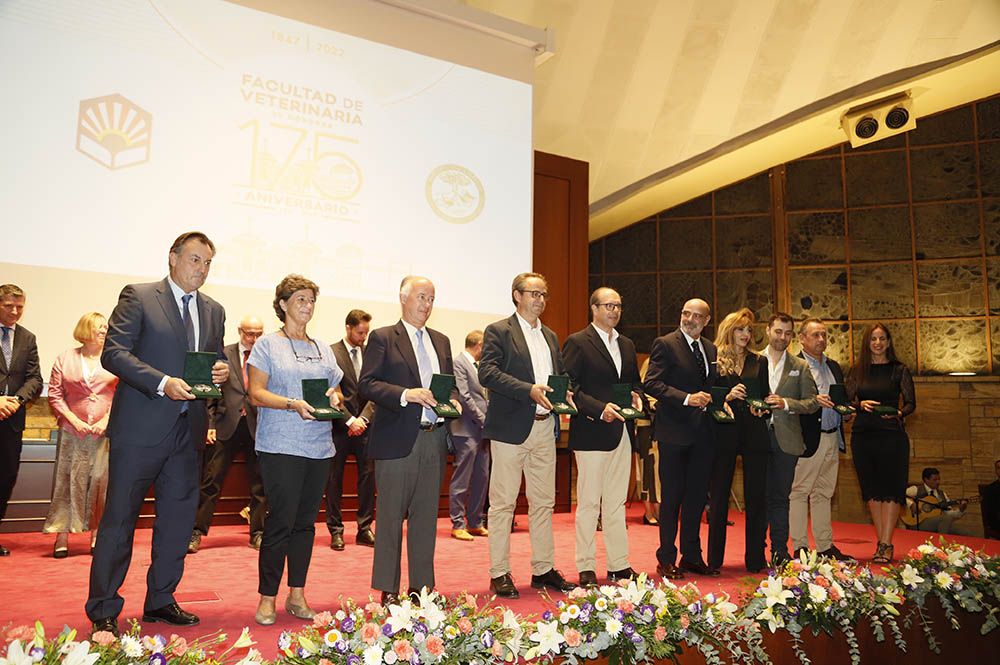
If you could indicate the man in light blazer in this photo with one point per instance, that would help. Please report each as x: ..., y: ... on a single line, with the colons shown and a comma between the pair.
x: 680, y: 374
x: 596, y: 359
x: 156, y: 430
x: 232, y: 427
x: 407, y: 439
x: 350, y: 436
x: 470, y: 475
x: 20, y: 382
x: 519, y: 355
x: 793, y: 393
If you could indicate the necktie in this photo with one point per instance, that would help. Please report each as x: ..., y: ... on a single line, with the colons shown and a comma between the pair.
x: 246, y: 381
x: 426, y: 372
x: 8, y: 351
x: 699, y: 358
x: 356, y: 361
x: 188, y: 323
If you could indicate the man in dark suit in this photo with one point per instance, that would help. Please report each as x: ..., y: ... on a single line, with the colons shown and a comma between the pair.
x: 21, y: 382
x: 407, y: 439
x: 596, y: 359
x: 519, y: 355
x: 681, y: 371
x: 231, y: 428
x: 816, y: 476
x: 156, y: 430
x: 350, y: 436
x: 470, y: 477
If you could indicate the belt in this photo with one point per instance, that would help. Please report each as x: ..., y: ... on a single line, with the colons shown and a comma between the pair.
x: 430, y: 427
x: 543, y: 416
x: 829, y: 431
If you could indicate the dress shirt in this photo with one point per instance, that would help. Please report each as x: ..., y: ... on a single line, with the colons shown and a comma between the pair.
x: 178, y: 293
x: 411, y: 332
x: 774, y: 370
x: 361, y: 356
x: 10, y: 336
x: 824, y: 378
x: 475, y: 363
x: 611, y: 343
x: 541, y: 354
x: 691, y: 340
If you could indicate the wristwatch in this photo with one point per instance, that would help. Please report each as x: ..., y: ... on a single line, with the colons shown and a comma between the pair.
x: 20, y: 400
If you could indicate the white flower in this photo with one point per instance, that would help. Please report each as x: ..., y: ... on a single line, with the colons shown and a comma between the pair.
x: 511, y: 624
x: 725, y: 609
x: 253, y: 657
x: 774, y: 592
x: 613, y: 627
x: 955, y: 557
x: 943, y: 580
x: 340, y: 615
x: 332, y: 637
x: 773, y: 622
x: 450, y: 632
x: 573, y: 611
x: 80, y: 655
x: 600, y: 604
x: 548, y: 636
x: 373, y: 655
x: 401, y: 616
x: 244, y: 640
x: 433, y: 616
x: 910, y: 576
x: 564, y: 618
x: 131, y: 646
x: 817, y: 593
x: 16, y: 655
x: 389, y: 657
x: 926, y: 548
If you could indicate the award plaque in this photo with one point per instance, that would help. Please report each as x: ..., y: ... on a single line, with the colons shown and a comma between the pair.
x: 622, y: 396
x: 717, y: 408
x: 754, y: 398
x: 314, y: 394
x: 884, y: 410
x: 838, y: 394
x: 198, y: 374
x: 441, y: 386
x: 560, y: 386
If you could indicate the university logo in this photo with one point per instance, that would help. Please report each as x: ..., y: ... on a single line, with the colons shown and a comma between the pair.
x: 113, y: 131
x: 455, y: 194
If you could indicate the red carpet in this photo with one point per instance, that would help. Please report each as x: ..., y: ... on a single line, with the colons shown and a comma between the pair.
x: 220, y: 582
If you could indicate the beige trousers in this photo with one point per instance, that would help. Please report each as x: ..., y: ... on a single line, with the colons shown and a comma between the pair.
x: 812, y: 492
x: 601, y: 489
x: 536, y: 460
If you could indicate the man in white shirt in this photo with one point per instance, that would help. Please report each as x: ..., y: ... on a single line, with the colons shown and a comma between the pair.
x: 934, y: 511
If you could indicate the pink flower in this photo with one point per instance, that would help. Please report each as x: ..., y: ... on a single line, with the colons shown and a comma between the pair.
x: 470, y: 600
x: 822, y: 581
x: 322, y: 620
x: 324, y: 661
x: 103, y: 637
x: 178, y: 645
x: 465, y: 625
x: 370, y: 633
x: 625, y: 606
x: 497, y: 649
x: 23, y: 633
x: 375, y: 609
x: 914, y: 553
x: 572, y: 637
x: 578, y: 592
x: 789, y: 582
x: 660, y: 633
x: 435, y: 645
x: 941, y: 555
x: 685, y: 621
x: 403, y: 649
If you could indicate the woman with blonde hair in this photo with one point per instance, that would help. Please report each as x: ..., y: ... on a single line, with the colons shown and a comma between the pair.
x: 739, y: 367
x: 80, y: 393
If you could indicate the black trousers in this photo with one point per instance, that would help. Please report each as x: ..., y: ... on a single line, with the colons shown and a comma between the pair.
x: 294, y: 489
x: 346, y: 446
x: 10, y: 462
x: 684, y: 475
x: 780, y: 475
x: 754, y: 496
x: 216, y: 462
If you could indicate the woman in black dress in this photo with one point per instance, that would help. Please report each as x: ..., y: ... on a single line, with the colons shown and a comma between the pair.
x: 882, y: 389
x: 738, y: 367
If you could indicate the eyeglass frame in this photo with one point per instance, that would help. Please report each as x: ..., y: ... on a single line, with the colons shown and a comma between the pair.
x: 303, y: 359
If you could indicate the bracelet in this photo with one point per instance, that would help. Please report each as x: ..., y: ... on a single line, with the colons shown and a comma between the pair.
x: 288, y: 403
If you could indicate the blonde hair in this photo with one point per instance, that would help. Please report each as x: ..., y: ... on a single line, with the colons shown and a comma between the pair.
x: 728, y: 353
x: 87, y: 326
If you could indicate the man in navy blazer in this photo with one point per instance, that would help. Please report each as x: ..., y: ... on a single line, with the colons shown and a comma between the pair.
x: 681, y: 372
x: 470, y: 476
x: 406, y: 438
x: 156, y: 430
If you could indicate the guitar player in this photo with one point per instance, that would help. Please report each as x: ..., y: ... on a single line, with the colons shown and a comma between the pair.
x: 935, y: 519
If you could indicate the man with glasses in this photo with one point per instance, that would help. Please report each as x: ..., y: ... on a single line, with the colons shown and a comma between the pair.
x: 598, y: 359
x: 519, y: 355
x: 232, y: 425
x: 680, y: 375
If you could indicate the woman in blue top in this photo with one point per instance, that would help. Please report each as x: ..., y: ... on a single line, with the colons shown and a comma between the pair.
x: 293, y: 448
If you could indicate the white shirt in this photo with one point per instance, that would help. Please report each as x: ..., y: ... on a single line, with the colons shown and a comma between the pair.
x: 178, y: 293
x: 691, y: 340
x: 611, y: 343
x: 411, y: 331
x: 774, y: 370
x: 470, y: 358
x: 541, y: 354
x: 361, y: 354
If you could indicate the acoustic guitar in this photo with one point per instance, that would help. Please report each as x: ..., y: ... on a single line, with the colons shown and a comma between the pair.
x: 929, y: 506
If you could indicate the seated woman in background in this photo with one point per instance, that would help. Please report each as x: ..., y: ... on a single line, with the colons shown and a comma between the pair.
x: 881, y: 450
x: 80, y: 393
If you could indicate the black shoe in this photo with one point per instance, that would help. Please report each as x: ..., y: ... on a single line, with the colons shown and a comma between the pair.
x: 755, y: 569
x: 366, y: 538
x: 172, y: 614
x: 337, y: 542
x: 588, y: 579
x: 552, y: 579
x: 4, y: 551
x: 615, y: 576
x: 503, y: 586
x: 60, y: 553
x: 779, y: 559
x: 195, y: 543
x: 255, y: 540
x: 699, y: 568
x: 835, y: 553
x: 107, y: 624
x: 390, y: 598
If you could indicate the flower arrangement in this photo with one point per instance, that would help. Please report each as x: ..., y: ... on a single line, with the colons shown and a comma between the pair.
x: 29, y: 646
x: 424, y: 629
x: 955, y: 575
x: 639, y: 621
x: 826, y: 595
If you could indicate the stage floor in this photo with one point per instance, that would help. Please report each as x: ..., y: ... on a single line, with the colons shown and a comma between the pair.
x: 220, y: 582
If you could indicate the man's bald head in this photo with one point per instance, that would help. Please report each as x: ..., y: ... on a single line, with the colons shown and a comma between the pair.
x: 695, y: 315
x: 250, y: 329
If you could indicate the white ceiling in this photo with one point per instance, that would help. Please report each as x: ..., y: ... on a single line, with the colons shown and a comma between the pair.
x: 639, y: 86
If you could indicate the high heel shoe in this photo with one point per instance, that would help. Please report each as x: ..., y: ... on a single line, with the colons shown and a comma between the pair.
x: 650, y: 521
x: 61, y: 548
x: 883, y: 553
x: 299, y: 611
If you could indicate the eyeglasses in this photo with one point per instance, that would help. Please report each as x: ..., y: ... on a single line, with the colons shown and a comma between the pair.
x: 610, y: 306
x: 694, y: 315
x: 536, y: 294
x: 250, y: 333
x: 304, y: 359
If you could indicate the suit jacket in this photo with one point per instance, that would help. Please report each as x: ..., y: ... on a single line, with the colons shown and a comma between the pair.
x: 389, y: 369
x: 473, y: 399
x: 798, y: 388
x: 71, y: 393
x: 146, y: 341
x: 356, y: 405
x: 224, y: 413
x: 749, y: 433
x: 673, y: 374
x: 812, y: 424
x: 24, y: 376
x: 594, y: 374
x: 505, y: 370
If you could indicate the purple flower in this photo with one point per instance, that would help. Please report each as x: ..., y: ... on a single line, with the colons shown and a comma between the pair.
x: 586, y: 607
x: 584, y: 616
x: 629, y: 630
x: 636, y: 639
x: 301, y: 653
x: 796, y: 591
x: 695, y: 607
x: 547, y: 615
x: 347, y: 625
x: 420, y: 628
x: 284, y: 640
x: 340, y: 646
x: 157, y: 659
x: 37, y: 653
x: 353, y: 660
x: 387, y: 630
x: 618, y: 614
x: 487, y: 639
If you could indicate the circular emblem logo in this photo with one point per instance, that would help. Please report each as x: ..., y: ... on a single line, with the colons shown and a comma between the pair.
x: 455, y: 194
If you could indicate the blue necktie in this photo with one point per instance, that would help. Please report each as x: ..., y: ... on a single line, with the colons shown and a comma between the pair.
x: 188, y: 323
x: 426, y: 372
x: 8, y: 352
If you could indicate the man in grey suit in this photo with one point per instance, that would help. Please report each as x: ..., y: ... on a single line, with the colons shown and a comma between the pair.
x: 792, y: 393
x: 232, y: 427
x: 20, y: 382
x: 470, y: 476
x: 156, y: 428
x: 350, y: 436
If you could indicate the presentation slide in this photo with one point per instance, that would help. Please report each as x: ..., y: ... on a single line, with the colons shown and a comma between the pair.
x: 295, y: 148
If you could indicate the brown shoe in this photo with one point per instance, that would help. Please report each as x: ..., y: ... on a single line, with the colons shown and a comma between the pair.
x: 503, y: 586
x: 390, y: 598
x: 195, y: 543
x: 479, y: 531
x: 588, y: 579
x: 461, y: 534
x: 699, y: 568
x: 669, y: 571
